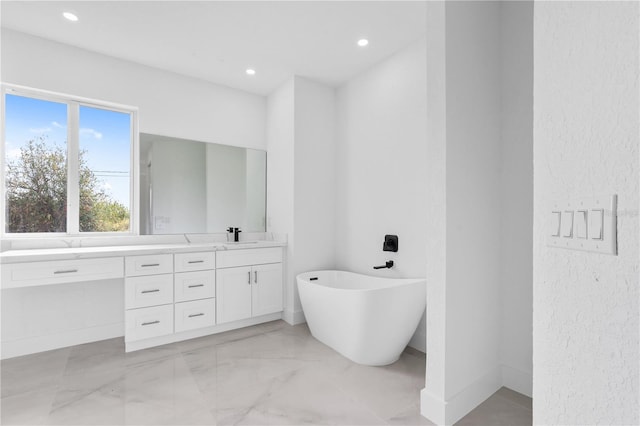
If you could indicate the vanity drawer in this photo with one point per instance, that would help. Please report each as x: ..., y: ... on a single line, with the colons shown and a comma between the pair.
x: 194, y: 285
x: 258, y: 256
x: 185, y: 262
x: 196, y: 314
x: 148, y: 322
x: 60, y: 271
x: 148, y: 265
x: 149, y: 290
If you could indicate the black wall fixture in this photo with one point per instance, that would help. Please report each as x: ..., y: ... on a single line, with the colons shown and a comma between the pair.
x: 390, y: 243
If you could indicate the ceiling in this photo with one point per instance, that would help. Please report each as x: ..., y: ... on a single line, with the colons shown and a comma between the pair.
x: 217, y: 40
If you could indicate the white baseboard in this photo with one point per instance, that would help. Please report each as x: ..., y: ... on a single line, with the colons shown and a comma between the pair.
x: 448, y: 412
x: 13, y: 348
x: 517, y: 380
x: 294, y: 317
x: 432, y: 407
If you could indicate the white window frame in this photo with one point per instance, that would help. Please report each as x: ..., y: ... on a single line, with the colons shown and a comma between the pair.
x: 73, y: 146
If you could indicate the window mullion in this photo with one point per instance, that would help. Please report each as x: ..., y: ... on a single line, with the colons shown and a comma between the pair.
x: 73, y: 169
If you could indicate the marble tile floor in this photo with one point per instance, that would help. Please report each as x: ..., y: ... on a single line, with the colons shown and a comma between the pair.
x: 271, y: 374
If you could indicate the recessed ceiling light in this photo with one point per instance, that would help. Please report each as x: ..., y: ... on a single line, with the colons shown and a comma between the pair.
x: 70, y: 16
x: 250, y: 71
x: 363, y: 42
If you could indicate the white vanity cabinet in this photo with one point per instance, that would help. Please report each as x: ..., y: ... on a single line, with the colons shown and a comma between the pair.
x: 148, y: 296
x: 169, y: 293
x: 249, y: 283
x: 195, y: 290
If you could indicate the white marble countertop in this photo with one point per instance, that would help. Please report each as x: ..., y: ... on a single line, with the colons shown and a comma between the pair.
x: 71, y: 253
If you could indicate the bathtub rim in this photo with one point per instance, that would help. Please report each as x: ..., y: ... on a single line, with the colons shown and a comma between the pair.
x: 397, y: 282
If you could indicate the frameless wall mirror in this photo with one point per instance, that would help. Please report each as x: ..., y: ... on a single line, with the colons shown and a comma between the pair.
x: 198, y: 187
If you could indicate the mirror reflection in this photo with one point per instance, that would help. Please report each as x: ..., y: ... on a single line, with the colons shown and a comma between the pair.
x: 198, y: 187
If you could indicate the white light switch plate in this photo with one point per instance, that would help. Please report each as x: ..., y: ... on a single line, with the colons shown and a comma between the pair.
x: 607, y: 244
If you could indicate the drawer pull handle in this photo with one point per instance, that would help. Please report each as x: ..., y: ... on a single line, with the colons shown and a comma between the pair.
x: 149, y: 264
x: 249, y: 277
x: 66, y: 271
x: 151, y: 322
x: 255, y: 277
x: 196, y: 285
x: 150, y: 291
x: 196, y: 315
x: 196, y: 261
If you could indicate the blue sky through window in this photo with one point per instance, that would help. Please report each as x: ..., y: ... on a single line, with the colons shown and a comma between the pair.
x: 104, y: 135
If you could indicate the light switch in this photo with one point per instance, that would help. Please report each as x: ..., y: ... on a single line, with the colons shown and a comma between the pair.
x: 581, y: 224
x: 585, y: 224
x: 567, y: 223
x: 555, y: 224
x: 596, y: 218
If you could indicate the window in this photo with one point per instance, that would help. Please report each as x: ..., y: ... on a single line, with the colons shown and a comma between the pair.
x: 68, y: 165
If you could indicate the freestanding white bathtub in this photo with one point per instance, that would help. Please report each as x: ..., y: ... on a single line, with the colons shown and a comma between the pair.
x: 367, y: 319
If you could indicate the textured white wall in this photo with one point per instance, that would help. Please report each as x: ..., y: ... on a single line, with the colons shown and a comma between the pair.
x: 170, y: 104
x: 516, y: 181
x: 586, y: 305
x: 381, y: 168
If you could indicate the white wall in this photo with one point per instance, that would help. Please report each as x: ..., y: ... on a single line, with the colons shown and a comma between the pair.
x: 473, y: 194
x: 300, y: 172
x: 516, y: 182
x: 432, y: 398
x: 170, y: 104
x: 381, y: 169
x: 464, y: 158
x: 586, y: 306
x: 280, y: 175
x: 315, y: 177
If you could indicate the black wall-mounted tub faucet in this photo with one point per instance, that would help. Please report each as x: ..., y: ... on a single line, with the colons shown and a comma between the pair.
x: 388, y: 264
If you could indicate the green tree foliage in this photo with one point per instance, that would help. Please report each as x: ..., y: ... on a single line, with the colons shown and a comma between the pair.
x: 37, y: 194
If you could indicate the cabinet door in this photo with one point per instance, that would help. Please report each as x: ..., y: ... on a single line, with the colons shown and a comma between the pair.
x: 233, y: 294
x: 266, y: 289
